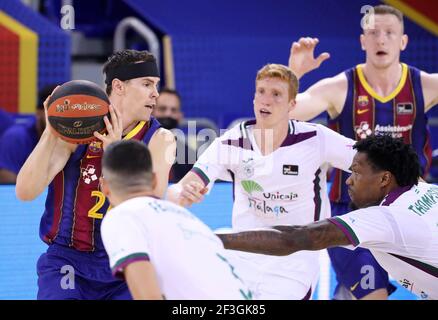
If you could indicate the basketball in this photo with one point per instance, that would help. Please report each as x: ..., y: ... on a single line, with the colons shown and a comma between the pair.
x: 76, y: 109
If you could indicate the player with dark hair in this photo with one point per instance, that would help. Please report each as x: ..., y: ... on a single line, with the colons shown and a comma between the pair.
x: 75, y: 205
x: 396, y: 220
x: 380, y: 96
x: 159, y: 248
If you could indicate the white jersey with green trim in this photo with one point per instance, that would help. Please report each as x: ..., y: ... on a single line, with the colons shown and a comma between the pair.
x: 402, y: 234
x: 189, y: 259
x: 285, y: 187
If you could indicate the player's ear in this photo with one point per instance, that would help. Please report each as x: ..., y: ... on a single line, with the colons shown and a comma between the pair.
x: 404, y: 42
x: 118, y: 86
x: 292, y: 104
x: 362, y: 41
x: 386, y: 178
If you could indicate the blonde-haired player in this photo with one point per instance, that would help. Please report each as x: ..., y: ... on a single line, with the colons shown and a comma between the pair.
x: 278, y: 168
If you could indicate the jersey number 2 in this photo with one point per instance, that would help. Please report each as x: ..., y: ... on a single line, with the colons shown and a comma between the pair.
x: 92, y: 213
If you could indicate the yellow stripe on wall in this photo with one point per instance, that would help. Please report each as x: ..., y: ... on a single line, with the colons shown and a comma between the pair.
x: 415, y: 15
x: 28, y: 65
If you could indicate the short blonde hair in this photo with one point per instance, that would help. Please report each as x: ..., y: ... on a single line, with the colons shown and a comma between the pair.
x: 282, y: 72
x: 385, y: 9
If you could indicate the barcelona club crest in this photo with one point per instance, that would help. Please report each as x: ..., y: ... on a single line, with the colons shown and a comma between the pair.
x: 362, y: 101
x: 96, y: 146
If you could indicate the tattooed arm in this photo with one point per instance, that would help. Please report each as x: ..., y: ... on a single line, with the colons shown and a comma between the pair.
x: 285, y: 240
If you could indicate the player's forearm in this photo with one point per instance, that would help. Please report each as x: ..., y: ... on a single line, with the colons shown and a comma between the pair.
x: 140, y: 291
x: 188, y: 190
x: 306, y: 107
x: 33, y: 176
x: 269, y: 241
x: 285, y: 240
x: 142, y: 281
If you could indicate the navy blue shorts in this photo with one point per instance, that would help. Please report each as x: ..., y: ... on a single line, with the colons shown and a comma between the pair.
x: 357, y: 270
x: 67, y: 274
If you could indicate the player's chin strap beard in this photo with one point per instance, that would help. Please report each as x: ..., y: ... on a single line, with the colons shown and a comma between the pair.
x: 132, y: 71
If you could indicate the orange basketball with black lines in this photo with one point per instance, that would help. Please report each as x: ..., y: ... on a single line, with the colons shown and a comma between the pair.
x: 76, y: 109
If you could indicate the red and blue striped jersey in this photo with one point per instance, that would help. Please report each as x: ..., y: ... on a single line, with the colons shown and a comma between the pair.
x: 401, y: 114
x: 75, y: 206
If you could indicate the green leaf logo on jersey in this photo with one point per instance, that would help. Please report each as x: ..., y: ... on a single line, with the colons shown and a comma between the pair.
x: 251, y: 186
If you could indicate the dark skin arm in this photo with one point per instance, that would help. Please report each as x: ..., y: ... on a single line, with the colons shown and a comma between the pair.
x: 285, y: 240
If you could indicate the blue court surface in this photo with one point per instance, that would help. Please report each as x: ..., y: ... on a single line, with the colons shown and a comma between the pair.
x: 20, y: 245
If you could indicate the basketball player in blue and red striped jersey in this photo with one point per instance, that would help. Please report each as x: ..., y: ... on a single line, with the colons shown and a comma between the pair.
x: 76, y: 265
x: 381, y: 96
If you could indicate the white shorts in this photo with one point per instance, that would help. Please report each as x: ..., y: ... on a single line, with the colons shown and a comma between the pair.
x: 292, y: 277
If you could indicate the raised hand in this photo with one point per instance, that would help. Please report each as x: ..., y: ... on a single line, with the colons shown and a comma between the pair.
x: 114, y: 128
x: 301, y: 58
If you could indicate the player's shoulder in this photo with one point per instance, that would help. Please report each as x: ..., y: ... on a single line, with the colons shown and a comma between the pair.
x: 126, y: 210
x: 111, y: 221
x: 146, y: 206
x: 321, y: 129
x: 237, y: 131
x: 427, y: 79
x: 163, y: 135
x: 324, y: 135
x: 304, y: 126
x: 342, y: 76
x: 404, y: 195
x: 373, y: 213
x: 165, y: 206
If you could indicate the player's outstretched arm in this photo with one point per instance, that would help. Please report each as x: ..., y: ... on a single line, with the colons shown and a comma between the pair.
x: 285, y: 240
x: 328, y: 94
x: 429, y: 83
x: 142, y: 281
x: 46, y: 160
x: 163, y: 148
x: 194, y: 185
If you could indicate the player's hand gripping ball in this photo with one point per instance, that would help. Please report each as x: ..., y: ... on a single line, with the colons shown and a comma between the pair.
x: 76, y: 109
